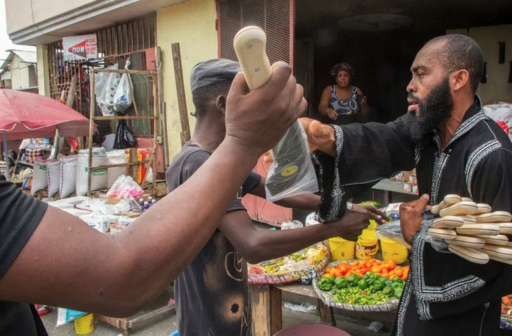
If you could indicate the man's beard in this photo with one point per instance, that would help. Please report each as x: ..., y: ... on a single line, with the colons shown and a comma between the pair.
x: 436, y: 109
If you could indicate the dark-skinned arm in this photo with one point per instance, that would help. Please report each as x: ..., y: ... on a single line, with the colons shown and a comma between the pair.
x: 66, y: 263
x: 258, y: 245
x: 312, y: 201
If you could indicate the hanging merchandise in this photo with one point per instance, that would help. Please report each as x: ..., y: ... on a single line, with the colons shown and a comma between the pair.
x: 124, y: 137
x: 105, y: 90
x: 122, y: 97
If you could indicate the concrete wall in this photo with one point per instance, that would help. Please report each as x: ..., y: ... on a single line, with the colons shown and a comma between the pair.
x: 24, y: 13
x: 22, y: 74
x: 192, y: 25
x: 43, y: 79
x: 496, y: 87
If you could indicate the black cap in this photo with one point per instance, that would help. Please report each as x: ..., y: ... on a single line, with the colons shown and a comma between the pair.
x: 213, y: 71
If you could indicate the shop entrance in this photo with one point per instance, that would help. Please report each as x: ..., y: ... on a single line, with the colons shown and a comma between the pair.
x: 380, y: 40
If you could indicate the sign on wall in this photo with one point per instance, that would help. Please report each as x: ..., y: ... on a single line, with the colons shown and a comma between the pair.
x: 81, y: 47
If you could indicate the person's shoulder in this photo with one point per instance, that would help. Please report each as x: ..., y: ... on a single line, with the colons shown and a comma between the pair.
x: 187, y: 161
x: 358, y: 90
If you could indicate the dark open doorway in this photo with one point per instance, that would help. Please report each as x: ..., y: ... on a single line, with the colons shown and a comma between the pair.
x: 380, y: 40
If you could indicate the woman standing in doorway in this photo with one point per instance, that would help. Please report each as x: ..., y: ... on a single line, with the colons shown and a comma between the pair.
x: 341, y: 102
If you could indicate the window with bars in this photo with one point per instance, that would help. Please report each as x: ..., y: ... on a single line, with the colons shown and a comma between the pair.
x: 276, y: 17
x: 115, y: 45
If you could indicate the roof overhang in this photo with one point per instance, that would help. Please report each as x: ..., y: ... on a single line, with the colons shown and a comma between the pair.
x: 88, y: 18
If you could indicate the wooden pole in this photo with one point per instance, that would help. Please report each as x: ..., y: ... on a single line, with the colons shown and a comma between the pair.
x: 72, y: 92
x: 161, y: 106
x: 180, y: 87
x: 91, y: 129
x: 155, y: 130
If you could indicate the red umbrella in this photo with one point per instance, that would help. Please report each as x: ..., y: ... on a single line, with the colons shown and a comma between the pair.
x: 28, y: 115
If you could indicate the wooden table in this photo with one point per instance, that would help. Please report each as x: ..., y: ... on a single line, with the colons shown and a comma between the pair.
x: 266, y: 301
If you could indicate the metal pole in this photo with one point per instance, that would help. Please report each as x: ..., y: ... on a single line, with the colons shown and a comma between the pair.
x: 6, y: 157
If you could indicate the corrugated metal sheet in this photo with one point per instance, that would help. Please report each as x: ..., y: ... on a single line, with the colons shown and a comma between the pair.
x: 26, y: 56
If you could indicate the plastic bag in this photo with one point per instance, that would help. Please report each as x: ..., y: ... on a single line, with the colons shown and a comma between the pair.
x: 124, y: 137
x: 40, y: 178
x: 106, y: 84
x: 65, y: 316
x: 122, y: 97
x: 393, y: 232
x: 99, y: 179
x: 500, y: 112
x: 292, y: 172
x: 116, y: 157
x: 291, y: 225
x: 53, y: 169
x: 125, y: 188
x: 123, y: 94
x: 68, y: 176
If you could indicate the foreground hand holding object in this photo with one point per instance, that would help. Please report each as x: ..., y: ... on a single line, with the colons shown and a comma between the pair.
x: 292, y: 172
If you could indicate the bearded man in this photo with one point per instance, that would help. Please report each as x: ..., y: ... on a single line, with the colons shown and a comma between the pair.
x: 456, y: 149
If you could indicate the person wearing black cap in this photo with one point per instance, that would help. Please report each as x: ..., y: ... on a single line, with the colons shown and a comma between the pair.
x: 212, y: 292
x: 80, y: 268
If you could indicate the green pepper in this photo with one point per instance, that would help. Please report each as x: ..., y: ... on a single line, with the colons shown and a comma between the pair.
x: 396, y: 285
x: 371, y: 282
x: 341, y: 283
x: 366, y: 276
x: 330, y: 279
x: 353, y: 277
x: 324, y: 284
x: 380, y: 284
x: 362, y: 284
x: 388, y: 291
x: 399, y: 280
x: 398, y: 292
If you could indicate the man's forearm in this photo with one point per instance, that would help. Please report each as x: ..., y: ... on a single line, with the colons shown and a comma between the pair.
x: 118, y: 274
x: 301, y: 202
x: 265, y: 245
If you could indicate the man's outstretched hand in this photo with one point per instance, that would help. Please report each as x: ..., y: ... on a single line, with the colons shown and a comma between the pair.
x: 320, y: 136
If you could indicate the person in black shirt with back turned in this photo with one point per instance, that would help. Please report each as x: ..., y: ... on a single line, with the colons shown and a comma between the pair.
x: 212, y: 292
x: 51, y: 257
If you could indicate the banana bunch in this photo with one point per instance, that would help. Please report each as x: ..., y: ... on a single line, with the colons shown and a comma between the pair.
x: 473, y: 231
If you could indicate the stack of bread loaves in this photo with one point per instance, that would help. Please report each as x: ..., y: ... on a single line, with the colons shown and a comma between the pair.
x: 473, y: 231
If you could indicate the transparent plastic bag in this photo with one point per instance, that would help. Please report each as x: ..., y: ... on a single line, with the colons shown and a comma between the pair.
x: 106, y: 84
x: 122, y: 96
x: 393, y: 232
x: 291, y: 225
x: 292, y: 172
x: 125, y: 188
